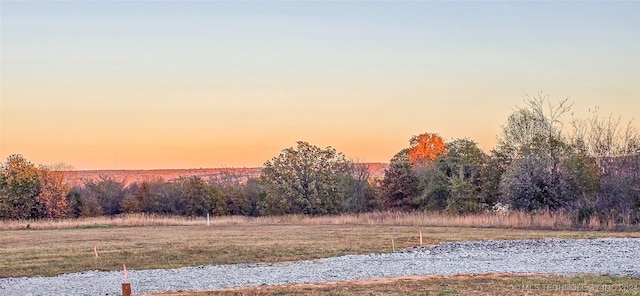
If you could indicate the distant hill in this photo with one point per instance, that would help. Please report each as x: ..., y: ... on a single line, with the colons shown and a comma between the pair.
x: 224, y: 174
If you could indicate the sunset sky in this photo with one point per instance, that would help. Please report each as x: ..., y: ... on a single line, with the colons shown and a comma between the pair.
x: 146, y: 84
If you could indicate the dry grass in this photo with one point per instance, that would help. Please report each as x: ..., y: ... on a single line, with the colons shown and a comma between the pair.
x: 55, y: 251
x: 489, y: 284
x: 512, y: 220
x: 144, y: 242
x: 101, y: 222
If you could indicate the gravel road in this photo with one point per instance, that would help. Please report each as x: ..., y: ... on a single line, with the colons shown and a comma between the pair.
x: 613, y: 256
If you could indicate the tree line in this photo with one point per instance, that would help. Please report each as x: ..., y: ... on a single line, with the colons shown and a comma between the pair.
x: 587, y: 168
x: 315, y: 186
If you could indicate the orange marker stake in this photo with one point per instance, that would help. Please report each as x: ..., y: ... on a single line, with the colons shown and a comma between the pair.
x: 126, y: 287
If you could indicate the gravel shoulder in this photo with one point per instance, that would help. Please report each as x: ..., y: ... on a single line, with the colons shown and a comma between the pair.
x: 611, y: 256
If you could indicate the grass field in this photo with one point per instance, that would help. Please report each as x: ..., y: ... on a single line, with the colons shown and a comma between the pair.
x: 47, y: 248
x: 55, y: 251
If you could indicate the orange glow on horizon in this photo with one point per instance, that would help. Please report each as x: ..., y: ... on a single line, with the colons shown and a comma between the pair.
x: 105, y: 85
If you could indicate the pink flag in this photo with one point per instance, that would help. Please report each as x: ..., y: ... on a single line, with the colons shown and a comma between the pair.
x: 421, y: 238
x: 125, y: 272
x: 95, y: 251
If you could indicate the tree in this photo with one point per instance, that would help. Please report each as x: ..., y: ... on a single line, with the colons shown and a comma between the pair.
x: 231, y: 184
x: 52, y: 200
x: 425, y: 148
x: 541, y: 163
x: 463, y: 165
x: 146, y: 195
x: 491, y: 175
x: 400, y: 183
x: 254, y: 194
x: 74, y: 200
x: 130, y: 204
x: 540, y: 180
x: 360, y: 196
x: 532, y: 124
x: 201, y: 198
x: 464, y: 196
x: 433, y: 188
x: 82, y: 203
x: 19, y: 186
x: 464, y: 159
x: 236, y: 201
x: 107, y: 191
x: 614, y: 151
x: 408, y: 181
x: 304, y: 180
x: 584, y: 170
x: 170, y: 198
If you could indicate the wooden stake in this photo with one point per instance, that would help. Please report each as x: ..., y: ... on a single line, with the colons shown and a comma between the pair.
x: 393, y: 245
x: 126, y: 289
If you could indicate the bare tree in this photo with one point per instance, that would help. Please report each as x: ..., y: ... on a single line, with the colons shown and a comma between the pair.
x: 615, y: 149
x: 605, y: 137
x: 540, y: 161
x: 534, y: 124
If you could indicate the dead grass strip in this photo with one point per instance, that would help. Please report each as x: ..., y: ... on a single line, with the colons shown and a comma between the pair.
x: 512, y: 220
x: 461, y: 284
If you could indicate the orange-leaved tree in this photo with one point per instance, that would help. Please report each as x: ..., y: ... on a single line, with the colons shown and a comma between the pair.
x: 425, y: 148
x: 52, y: 201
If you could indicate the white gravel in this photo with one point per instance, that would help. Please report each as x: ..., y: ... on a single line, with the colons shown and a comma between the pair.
x: 612, y: 256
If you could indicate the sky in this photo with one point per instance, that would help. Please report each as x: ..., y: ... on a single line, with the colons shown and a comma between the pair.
x: 199, y: 84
